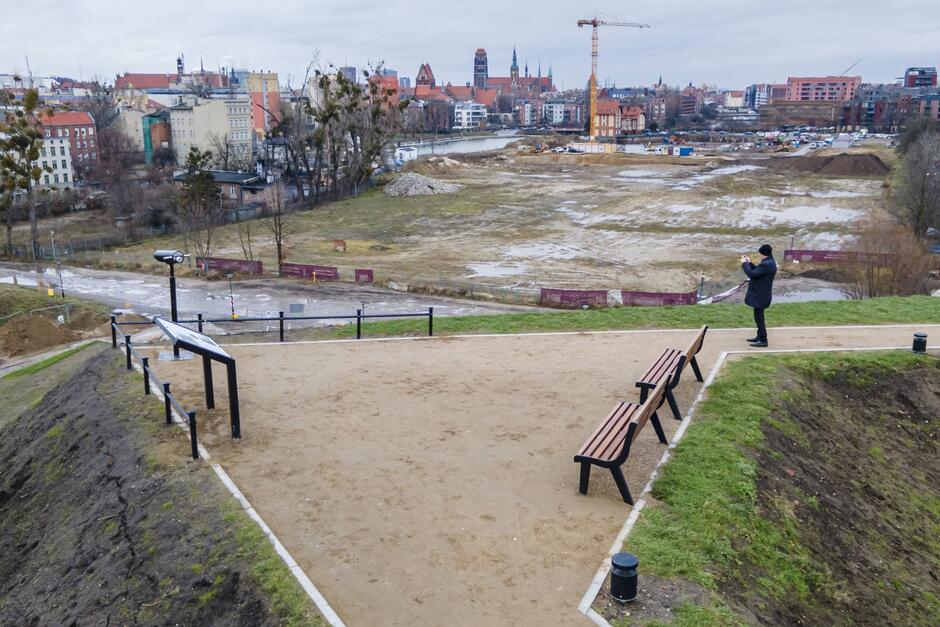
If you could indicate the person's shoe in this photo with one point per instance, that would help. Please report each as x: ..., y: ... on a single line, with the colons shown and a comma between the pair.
x: 759, y: 344
x: 753, y: 339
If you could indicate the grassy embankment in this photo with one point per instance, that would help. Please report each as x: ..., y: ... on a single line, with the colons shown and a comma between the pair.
x: 14, y: 298
x: 75, y: 432
x: 912, y: 309
x: 790, y: 503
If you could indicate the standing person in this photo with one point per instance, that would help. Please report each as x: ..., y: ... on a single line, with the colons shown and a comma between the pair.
x: 759, y: 289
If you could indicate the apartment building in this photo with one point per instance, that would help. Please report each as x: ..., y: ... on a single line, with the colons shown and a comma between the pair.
x: 55, y: 159
x: 469, y: 115
x: 207, y: 124
x: 822, y: 88
x: 78, y: 129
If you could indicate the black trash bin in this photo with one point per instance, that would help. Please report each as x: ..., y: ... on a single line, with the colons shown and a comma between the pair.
x: 623, y: 577
x: 920, y: 342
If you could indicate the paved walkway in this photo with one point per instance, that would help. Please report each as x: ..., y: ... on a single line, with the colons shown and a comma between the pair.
x: 431, y: 481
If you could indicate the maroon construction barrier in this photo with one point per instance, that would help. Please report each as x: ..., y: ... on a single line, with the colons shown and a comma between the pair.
x: 573, y: 298
x: 308, y: 271
x: 207, y: 264
x: 658, y: 299
x: 364, y: 276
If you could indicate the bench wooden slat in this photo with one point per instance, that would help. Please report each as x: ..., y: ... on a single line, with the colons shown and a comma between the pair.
x: 607, y: 439
x: 661, y: 368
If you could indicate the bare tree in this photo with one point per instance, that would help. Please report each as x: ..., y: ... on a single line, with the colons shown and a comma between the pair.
x: 227, y: 155
x: 917, y: 203
x: 279, y: 221
x: 244, y: 239
x: 200, y: 210
x: 890, y: 261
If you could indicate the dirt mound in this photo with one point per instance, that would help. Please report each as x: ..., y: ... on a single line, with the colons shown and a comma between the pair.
x: 87, y: 320
x: 104, y: 521
x: 28, y: 334
x: 843, y: 164
x: 412, y: 184
x: 854, y: 470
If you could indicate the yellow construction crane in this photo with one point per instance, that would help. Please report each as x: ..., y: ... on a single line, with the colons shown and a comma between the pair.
x: 594, y: 24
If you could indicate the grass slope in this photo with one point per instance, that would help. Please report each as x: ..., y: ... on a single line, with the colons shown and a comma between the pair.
x: 104, y: 519
x: 45, y: 363
x: 15, y: 298
x: 791, y: 501
x: 912, y: 309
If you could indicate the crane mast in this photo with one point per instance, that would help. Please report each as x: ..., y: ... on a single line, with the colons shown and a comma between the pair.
x: 594, y: 23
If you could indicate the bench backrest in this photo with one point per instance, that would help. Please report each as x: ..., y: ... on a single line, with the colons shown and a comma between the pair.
x: 687, y: 356
x: 640, y: 418
x: 696, y: 345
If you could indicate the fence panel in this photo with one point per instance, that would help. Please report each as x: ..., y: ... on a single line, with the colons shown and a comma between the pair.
x: 658, y: 299
x: 309, y: 271
x: 236, y: 265
x: 573, y: 298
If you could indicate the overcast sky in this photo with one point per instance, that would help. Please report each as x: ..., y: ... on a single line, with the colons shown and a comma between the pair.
x: 718, y: 42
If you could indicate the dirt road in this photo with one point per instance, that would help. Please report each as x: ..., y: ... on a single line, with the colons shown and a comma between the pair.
x: 149, y: 294
x: 431, y: 481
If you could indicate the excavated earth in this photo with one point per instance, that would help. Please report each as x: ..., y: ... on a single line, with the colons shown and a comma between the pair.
x: 104, y: 521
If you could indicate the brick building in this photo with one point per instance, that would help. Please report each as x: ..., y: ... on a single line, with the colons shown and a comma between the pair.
x: 78, y: 127
x: 920, y: 77
x: 480, y: 68
x: 822, y: 88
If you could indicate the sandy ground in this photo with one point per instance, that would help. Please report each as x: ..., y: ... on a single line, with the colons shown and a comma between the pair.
x: 432, y: 482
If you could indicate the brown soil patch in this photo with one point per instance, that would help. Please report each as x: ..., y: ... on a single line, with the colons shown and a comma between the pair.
x: 104, y: 521
x: 854, y: 467
x: 27, y: 334
x: 844, y: 164
x: 87, y: 320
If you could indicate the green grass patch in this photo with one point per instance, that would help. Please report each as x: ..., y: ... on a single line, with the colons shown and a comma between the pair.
x: 708, y: 523
x: 270, y: 573
x: 45, y: 363
x: 16, y: 298
x: 899, y: 310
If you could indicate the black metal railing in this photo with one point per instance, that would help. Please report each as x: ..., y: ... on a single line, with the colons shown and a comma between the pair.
x: 169, y: 401
x: 281, y: 319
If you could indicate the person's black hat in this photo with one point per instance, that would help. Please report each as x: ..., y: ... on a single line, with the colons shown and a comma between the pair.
x: 766, y: 250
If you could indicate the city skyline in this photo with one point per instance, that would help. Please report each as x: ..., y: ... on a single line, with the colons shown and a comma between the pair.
x: 687, y: 43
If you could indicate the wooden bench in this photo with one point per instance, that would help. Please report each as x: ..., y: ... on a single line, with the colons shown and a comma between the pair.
x: 669, y: 366
x: 609, y: 446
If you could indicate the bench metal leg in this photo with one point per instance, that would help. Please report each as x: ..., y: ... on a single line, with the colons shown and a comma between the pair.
x: 659, y: 428
x: 621, y: 484
x: 698, y: 373
x: 585, y: 477
x: 673, y: 405
x: 644, y: 392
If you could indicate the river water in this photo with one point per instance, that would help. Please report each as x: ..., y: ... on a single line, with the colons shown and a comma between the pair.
x: 465, y: 145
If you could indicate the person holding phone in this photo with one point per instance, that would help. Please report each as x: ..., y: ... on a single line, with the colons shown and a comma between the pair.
x: 759, y: 289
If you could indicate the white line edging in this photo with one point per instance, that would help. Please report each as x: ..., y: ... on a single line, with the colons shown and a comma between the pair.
x: 588, y: 599
x: 561, y: 333
x: 324, y: 607
x: 329, y: 614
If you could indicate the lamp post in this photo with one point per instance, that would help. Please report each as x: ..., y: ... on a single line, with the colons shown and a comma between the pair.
x: 58, y: 268
x: 231, y: 295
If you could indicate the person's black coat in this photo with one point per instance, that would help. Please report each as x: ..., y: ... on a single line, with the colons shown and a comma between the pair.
x: 762, y: 280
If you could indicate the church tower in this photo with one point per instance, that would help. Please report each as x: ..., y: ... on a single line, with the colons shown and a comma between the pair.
x: 514, y: 68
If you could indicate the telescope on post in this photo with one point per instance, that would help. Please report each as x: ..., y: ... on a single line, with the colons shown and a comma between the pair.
x: 171, y: 258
